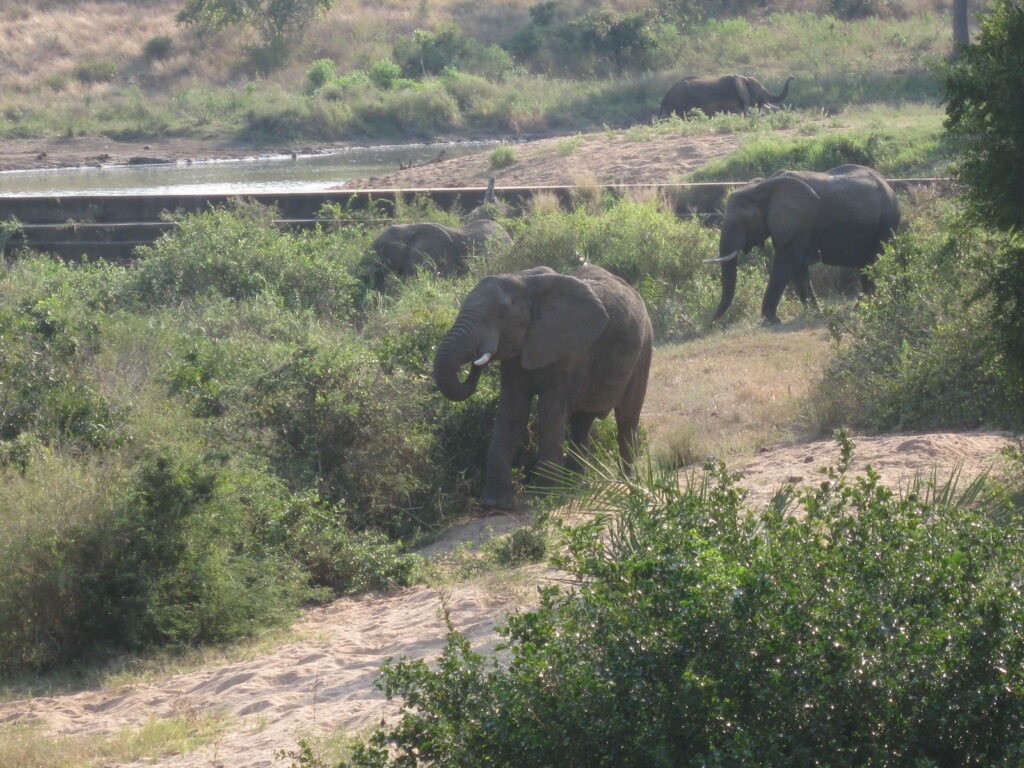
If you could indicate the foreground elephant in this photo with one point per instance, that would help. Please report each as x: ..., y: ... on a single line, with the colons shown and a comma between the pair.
x: 581, y: 343
x: 732, y: 93
x: 401, y: 249
x: 842, y: 217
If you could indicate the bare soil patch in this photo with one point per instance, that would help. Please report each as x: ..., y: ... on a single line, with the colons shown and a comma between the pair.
x: 595, y: 158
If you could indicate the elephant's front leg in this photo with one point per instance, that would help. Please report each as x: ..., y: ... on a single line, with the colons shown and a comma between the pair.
x: 552, y: 412
x: 509, y: 429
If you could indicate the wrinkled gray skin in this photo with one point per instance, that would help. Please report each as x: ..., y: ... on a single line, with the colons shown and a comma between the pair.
x: 580, y: 344
x: 732, y: 93
x: 401, y: 249
x: 842, y: 217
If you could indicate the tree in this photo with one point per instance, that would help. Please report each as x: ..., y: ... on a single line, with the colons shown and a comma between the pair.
x: 278, y: 22
x: 984, y: 90
x: 961, y: 34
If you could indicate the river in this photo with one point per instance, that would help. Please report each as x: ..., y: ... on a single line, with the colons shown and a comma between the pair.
x: 279, y: 173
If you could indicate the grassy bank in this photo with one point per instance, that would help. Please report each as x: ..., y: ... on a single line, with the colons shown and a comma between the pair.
x: 836, y: 63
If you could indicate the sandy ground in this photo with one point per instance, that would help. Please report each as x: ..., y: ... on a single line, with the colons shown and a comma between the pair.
x: 585, y: 159
x: 325, y: 682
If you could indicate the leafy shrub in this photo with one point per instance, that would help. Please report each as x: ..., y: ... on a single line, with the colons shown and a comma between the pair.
x: 601, y: 42
x: 385, y: 74
x: 869, y: 629
x: 503, y: 156
x: 158, y: 48
x: 893, y: 154
x: 95, y: 71
x: 427, y: 53
x: 238, y: 253
x: 104, y: 557
x: 319, y: 74
x: 658, y: 254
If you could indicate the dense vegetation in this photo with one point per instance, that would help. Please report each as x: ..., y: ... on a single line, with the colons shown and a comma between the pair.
x: 847, y: 627
x: 196, y: 444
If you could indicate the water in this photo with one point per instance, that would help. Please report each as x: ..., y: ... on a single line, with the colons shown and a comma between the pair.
x: 306, y: 173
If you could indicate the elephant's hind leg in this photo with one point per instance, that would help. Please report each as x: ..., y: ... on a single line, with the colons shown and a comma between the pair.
x: 627, y: 412
x: 579, y: 438
x: 804, y: 289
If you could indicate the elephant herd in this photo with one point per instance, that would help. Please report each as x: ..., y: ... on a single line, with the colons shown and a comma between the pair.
x: 581, y: 344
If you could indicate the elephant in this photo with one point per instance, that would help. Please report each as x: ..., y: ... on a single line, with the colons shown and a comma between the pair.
x: 731, y: 93
x: 842, y: 217
x: 402, y: 248
x: 580, y: 343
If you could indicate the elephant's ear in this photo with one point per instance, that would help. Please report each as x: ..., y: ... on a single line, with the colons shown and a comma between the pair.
x: 741, y: 89
x: 791, y: 207
x: 565, y: 315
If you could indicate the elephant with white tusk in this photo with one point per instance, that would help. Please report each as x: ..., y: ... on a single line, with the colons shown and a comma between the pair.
x: 580, y: 343
x: 711, y: 95
x: 842, y: 217
x: 402, y: 249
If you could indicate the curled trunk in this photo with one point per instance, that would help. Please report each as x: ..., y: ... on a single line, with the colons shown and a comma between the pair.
x: 454, y: 352
x: 728, y: 286
x: 785, y: 92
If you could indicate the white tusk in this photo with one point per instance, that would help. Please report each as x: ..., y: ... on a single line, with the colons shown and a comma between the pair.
x: 485, y: 358
x: 719, y: 259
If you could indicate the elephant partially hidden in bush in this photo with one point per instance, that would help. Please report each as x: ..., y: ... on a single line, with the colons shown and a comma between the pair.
x: 842, y: 217
x: 581, y: 343
x: 732, y: 93
x: 401, y: 249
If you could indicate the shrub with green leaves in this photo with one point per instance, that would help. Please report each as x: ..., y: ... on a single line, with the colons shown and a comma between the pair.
x: 652, y: 249
x: 103, y: 556
x: 239, y: 253
x: 846, y: 626
x: 892, y: 153
x: 426, y: 53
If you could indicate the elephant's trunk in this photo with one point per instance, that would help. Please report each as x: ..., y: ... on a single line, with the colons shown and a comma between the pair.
x: 455, y: 350
x: 785, y: 92
x: 729, y: 266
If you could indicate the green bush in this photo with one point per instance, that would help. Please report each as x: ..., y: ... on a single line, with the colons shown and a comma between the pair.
x: 102, y: 557
x: 385, y: 74
x: 238, y: 253
x: 95, y: 71
x: 892, y: 153
x: 869, y: 629
x: 653, y: 250
x: 502, y: 156
x: 319, y: 74
x: 426, y: 53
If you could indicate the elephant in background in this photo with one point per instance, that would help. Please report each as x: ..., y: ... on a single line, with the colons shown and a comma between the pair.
x: 401, y: 249
x: 580, y: 343
x: 731, y: 93
x: 842, y: 217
